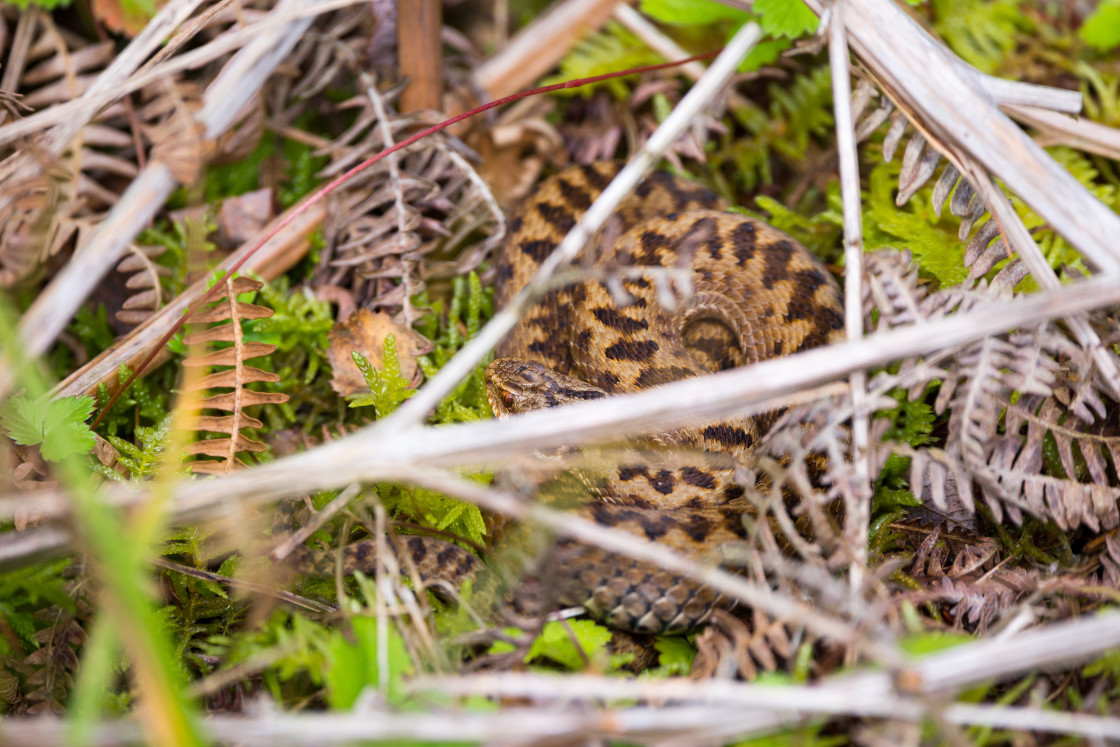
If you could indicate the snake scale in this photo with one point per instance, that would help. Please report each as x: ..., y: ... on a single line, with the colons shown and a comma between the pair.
x: 756, y: 294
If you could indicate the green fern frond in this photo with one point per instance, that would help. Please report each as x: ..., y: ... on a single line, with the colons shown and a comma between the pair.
x: 142, y: 461
x: 388, y: 388
x: 932, y: 241
x: 607, y: 51
x: 1100, y: 91
x: 25, y: 591
x: 805, y: 107
x: 437, y: 510
x: 797, y: 113
x: 982, y: 32
x: 470, y: 305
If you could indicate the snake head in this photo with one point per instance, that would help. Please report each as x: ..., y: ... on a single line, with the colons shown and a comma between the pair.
x: 514, y: 385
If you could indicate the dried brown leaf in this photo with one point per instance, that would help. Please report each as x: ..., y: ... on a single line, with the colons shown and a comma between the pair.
x: 365, y: 332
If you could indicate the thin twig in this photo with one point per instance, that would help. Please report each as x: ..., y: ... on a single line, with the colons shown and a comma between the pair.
x: 1082, y: 134
x: 295, y: 600
x: 328, y: 512
x: 654, y: 39
x: 858, y: 516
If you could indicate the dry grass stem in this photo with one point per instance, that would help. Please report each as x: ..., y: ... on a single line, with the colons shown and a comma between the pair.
x: 858, y: 509
x: 868, y: 693
x: 1082, y: 134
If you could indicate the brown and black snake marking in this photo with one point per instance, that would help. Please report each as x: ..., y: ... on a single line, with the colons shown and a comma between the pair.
x: 756, y: 294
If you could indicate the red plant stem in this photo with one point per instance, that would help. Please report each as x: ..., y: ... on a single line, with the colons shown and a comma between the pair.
x: 340, y: 180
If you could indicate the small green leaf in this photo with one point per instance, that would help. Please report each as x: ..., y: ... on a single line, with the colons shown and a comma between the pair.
x: 555, y: 643
x: 786, y: 18
x: 23, y: 420
x: 931, y: 642
x: 67, y: 411
x: 676, y: 655
x: 60, y: 428
x: 65, y: 430
x: 691, y: 12
x: 1101, y: 29
x: 352, y: 667
x: 766, y: 52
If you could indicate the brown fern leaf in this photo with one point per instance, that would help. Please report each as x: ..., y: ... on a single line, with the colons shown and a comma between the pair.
x: 48, y: 189
x: 919, y: 161
x: 977, y: 586
x: 391, y: 219
x: 805, y: 456
x: 1110, y: 561
x: 1085, y: 493
x: 1005, y: 396
x: 52, y: 666
x: 730, y: 646
x: 230, y: 311
x: 144, y: 278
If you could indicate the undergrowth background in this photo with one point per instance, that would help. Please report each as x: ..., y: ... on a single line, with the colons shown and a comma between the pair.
x: 418, y: 260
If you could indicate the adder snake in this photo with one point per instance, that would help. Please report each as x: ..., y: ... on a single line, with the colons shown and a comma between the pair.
x: 756, y: 294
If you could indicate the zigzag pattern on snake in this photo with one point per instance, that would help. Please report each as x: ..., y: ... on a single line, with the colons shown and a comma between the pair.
x: 756, y: 294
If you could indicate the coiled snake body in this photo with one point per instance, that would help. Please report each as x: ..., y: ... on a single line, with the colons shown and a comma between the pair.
x: 756, y: 294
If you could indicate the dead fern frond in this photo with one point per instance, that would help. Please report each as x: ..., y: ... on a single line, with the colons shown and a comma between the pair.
x: 1017, y: 461
x: 53, y: 666
x: 892, y: 290
x: 144, y: 279
x: 1011, y: 400
x: 47, y: 190
x: 805, y: 459
x: 390, y: 219
x: 231, y: 311
x: 730, y: 646
x: 919, y: 160
x: 388, y: 224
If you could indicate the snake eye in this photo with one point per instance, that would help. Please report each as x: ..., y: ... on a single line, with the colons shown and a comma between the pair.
x: 506, y: 396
